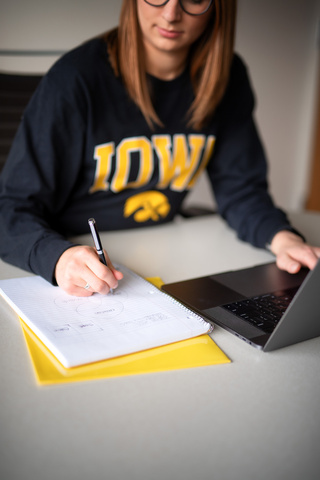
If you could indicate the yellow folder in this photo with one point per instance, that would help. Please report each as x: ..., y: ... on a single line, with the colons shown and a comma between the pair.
x: 195, y: 352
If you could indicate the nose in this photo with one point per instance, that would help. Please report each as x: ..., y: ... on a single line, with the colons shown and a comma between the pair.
x: 172, y: 11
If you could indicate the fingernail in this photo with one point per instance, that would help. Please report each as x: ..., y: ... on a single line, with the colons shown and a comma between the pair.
x: 294, y: 267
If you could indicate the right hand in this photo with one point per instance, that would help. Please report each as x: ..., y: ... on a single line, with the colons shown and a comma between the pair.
x: 79, y: 266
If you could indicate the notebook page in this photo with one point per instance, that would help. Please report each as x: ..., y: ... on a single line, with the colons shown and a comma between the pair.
x: 80, y: 330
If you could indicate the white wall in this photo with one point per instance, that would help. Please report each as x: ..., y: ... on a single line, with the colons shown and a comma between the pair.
x: 279, y: 42
x: 50, y: 25
x: 277, y: 39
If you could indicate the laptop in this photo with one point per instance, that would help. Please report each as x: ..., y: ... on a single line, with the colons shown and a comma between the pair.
x: 265, y: 306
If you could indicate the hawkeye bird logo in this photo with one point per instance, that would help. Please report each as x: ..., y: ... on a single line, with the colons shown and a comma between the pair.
x: 147, y: 206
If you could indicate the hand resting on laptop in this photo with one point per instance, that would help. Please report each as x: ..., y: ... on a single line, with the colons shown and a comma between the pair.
x: 292, y: 252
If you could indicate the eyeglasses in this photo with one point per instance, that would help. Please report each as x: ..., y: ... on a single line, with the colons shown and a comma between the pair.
x: 192, y: 7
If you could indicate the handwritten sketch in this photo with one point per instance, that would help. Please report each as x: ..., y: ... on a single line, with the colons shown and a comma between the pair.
x: 80, y: 330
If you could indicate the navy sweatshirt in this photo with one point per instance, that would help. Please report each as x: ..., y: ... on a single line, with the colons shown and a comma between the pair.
x: 84, y: 149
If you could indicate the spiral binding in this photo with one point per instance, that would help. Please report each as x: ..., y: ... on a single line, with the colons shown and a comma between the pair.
x: 172, y: 300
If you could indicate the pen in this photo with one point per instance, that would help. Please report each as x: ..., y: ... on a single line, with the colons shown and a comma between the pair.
x: 97, y: 242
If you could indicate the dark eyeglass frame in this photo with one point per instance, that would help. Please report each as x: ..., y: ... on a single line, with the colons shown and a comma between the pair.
x: 182, y: 7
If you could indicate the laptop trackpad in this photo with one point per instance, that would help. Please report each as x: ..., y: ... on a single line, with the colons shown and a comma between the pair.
x: 202, y: 293
x: 260, y: 279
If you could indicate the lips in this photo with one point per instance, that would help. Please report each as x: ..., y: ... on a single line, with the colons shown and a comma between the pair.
x: 169, y: 33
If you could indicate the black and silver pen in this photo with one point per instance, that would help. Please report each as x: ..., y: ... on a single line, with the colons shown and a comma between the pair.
x: 97, y: 242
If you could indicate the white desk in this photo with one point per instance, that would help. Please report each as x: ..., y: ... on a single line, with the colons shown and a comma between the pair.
x: 254, y: 419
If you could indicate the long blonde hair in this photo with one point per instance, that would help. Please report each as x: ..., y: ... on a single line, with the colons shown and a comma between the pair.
x: 210, y: 61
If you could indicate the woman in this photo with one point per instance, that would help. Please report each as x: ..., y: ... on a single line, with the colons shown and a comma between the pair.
x: 120, y: 129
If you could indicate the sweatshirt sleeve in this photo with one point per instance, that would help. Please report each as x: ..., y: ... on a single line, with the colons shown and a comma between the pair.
x: 238, y: 170
x: 39, y: 175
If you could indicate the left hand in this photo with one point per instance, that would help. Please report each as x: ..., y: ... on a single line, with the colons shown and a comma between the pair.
x: 292, y: 252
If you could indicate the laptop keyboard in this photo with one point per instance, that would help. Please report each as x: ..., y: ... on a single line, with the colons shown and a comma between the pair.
x: 263, y: 311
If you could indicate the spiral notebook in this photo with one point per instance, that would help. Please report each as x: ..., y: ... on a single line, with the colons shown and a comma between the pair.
x: 83, y: 330
x: 191, y: 353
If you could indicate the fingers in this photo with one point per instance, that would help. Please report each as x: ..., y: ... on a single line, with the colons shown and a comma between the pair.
x: 284, y: 262
x: 100, y: 278
x: 79, y: 272
x: 116, y: 273
x: 301, y: 255
x: 292, y: 253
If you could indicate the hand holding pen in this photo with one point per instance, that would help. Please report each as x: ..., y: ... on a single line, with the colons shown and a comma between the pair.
x: 81, y: 270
